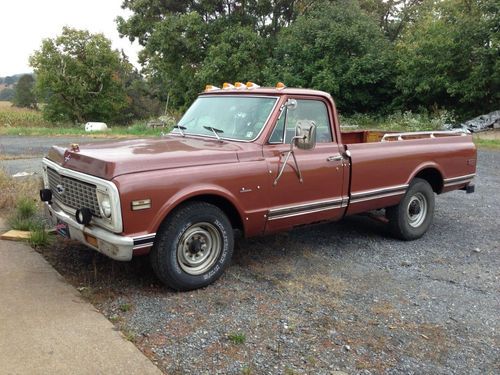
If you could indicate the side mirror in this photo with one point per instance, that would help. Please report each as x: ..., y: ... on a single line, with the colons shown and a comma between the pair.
x: 291, y: 104
x: 305, y: 135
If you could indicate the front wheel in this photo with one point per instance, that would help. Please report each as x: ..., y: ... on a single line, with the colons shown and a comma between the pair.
x: 411, y: 218
x: 193, y: 246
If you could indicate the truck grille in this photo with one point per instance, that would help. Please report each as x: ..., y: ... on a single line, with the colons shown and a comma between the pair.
x: 73, y: 193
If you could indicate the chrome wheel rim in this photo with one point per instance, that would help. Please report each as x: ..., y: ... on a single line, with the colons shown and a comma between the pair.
x: 199, y: 248
x: 416, y: 210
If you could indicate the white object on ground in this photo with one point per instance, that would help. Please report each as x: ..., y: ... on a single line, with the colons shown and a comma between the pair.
x: 23, y: 174
x: 95, y: 127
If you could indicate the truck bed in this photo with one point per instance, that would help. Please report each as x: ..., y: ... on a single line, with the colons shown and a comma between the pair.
x: 369, y: 136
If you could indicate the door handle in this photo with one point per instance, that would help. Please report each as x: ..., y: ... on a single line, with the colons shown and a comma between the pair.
x: 335, y: 158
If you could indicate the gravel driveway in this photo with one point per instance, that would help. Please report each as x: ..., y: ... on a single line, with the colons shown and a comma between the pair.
x: 342, y: 296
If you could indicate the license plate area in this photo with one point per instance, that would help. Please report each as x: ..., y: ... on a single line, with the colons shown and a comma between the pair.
x: 62, y: 229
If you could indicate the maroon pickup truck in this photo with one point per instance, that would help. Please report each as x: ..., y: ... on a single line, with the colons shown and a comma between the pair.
x: 248, y: 159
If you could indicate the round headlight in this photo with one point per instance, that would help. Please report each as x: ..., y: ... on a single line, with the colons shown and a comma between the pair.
x: 106, y: 207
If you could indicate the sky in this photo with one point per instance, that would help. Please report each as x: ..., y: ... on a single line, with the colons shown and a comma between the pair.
x: 24, y: 23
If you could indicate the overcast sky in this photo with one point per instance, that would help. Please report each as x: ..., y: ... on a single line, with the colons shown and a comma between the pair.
x: 24, y: 23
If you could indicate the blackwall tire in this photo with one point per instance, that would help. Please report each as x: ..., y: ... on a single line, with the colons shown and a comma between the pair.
x: 411, y: 218
x: 193, y: 246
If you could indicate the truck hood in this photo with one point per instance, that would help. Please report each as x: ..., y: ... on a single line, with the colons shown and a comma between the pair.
x: 110, y: 159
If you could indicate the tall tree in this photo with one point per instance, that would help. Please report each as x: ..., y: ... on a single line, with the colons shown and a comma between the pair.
x: 338, y: 48
x: 24, y: 95
x: 450, y: 57
x: 79, y: 77
x: 190, y: 43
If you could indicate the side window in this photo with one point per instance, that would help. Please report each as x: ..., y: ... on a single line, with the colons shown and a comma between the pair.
x: 312, y: 110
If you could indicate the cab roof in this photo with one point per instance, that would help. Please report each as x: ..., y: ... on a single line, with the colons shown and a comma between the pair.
x: 267, y: 91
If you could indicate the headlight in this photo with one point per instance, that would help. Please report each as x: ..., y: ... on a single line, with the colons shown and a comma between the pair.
x: 106, y: 206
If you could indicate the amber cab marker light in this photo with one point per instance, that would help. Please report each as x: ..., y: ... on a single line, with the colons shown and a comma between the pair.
x: 211, y: 88
x: 227, y: 86
x: 280, y: 86
x: 251, y: 85
x: 239, y: 86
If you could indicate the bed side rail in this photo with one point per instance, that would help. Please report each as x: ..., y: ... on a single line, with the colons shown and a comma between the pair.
x: 416, y: 135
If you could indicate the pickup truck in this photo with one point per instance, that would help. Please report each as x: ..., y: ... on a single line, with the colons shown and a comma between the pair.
x: 246, y: 160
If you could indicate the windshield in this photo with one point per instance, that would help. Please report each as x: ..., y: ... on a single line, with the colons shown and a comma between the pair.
x: 232, y: 117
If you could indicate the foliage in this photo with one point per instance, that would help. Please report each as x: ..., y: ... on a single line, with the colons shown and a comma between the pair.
x: 23, y: 217
x: 13, y: 117
x: 7, y: 93
x: 12, y: 189
x: 400, y: 121
x: 24, y: 96
x: 339, y: 49
x: 78, y: 75
x: 237, y: 337
x: 373, y: 56
x: 450, y: 57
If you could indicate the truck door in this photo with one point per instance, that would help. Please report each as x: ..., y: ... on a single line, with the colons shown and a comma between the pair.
x: 320, y: 196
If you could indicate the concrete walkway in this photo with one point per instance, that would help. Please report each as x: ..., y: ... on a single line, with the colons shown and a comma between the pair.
x: 46, y: 327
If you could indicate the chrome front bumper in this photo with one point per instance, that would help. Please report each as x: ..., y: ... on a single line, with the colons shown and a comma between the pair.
x: 112, y: 245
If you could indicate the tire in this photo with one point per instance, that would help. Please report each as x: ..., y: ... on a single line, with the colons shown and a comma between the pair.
x: 411, y: 218
x: 193, y: 247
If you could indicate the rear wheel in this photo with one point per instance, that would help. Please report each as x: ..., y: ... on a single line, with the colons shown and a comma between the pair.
x: 193, y: 246
x: 411, y: 218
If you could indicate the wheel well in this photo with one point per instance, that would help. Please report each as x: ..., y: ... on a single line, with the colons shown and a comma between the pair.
x: 433, y: 177
x: 224, y: 204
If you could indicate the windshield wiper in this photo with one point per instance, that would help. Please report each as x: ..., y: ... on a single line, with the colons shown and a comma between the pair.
x: 215, y: 131
x: 181, y: 129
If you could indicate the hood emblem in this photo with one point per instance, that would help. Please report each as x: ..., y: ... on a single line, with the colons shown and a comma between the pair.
x: 75, y: 147
x: 67, y: 157
x: 60, y: 189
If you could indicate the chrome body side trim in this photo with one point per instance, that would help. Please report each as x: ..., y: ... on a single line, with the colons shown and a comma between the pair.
x: 362, y: 196
x: 459, y: 180
x: 306, y: 208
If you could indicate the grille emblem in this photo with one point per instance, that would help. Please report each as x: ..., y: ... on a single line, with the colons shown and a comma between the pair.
x: 60, y: 189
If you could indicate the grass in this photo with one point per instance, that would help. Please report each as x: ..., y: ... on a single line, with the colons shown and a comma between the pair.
x: 23, y: 121
x: 490, y: 144
x: 23, y: 216
x: 39, y: 236
x: 14, y: 188
x: 125, y: 307
x: 237, y: 338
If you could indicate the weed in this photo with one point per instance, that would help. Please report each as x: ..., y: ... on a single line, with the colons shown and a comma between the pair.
x: 21, y: 223
x: 125, y: 307
x: 246, y: 370
x: 129, y: 335
x: 39, y: 236
x: 14, y: 188
x: 237, y: 337
x: 26, y: 207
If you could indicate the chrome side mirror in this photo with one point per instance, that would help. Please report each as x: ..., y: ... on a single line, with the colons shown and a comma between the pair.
x: 291, y: 104
x: 305, y: 135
